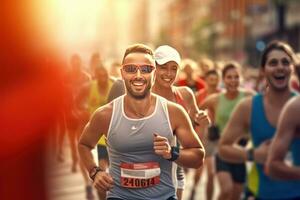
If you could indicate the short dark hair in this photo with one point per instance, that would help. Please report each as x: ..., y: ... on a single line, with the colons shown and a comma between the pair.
x: 138, y: 48
x: 277, y: 45
x: 228, y: 66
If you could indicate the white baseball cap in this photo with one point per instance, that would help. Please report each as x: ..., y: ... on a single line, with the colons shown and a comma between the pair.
x: 165, y: 53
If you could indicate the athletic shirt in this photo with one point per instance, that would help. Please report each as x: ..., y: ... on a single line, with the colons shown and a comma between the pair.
x: 224, y: 109
x: 179, y: 99
x: 258, y: 183
x: 131, y: 141
x: 96, y: 100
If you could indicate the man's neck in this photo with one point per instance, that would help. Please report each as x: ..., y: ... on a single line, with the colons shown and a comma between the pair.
x: 138, y: 108
x: 277, y: 97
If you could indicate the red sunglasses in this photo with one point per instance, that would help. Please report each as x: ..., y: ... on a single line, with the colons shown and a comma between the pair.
x: 133, y: 68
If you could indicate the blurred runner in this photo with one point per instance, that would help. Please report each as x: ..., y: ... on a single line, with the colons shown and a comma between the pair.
x: 212, y: 87
x: 167, y: 66
x: 287, y: 137
x: 191, y: 79
x: 259, y: 116
x: 97, y: 97
x: 231, y: 176
x: 77, y: 116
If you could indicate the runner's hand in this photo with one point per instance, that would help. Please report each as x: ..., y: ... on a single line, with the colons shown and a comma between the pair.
x: 161, y: 146
x: 201, y: 119
x: 261, y: 152
x: 103, y: 181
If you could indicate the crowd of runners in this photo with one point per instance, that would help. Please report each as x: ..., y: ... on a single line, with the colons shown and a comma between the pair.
x: 153, y: 115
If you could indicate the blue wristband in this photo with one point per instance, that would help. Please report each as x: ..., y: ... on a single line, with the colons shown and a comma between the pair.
x: 174, y: 153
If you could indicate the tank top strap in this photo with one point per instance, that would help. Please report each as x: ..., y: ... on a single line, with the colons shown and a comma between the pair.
x: 179, y: 98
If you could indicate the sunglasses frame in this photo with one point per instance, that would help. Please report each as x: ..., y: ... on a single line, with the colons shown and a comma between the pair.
x: 138, y: 67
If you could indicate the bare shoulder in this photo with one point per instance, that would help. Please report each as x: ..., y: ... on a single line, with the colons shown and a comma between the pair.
x: 243, y: 110
x: 248, y: 92
x: 211, y: 101
x: 103, y: 111
x: 100, y: 119
x: 187, y: 94
x: 174, y: 108
x: 246, y: 104
x: 294, y: 103
x: 213, y: 97
x: 184, y: 90
x: 177, y: 114
x: 292, y: 107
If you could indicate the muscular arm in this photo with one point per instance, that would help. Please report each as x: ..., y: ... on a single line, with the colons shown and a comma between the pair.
x: 192, y: 152
x: 236, y: 127
x: 286, y: 130
x: 95, y: 128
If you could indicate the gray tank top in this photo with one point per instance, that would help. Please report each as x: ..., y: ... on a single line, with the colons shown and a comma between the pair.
x: 137, y: 171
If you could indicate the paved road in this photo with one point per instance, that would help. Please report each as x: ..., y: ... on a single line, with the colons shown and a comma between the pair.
x: 65, y: 185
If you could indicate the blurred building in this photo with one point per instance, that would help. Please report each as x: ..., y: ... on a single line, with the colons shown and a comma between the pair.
x: 231, y: 29
x: 275, y: 19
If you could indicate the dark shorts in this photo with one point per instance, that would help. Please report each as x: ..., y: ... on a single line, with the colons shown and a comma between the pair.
x: 237, y: 171
x: 102, y: 152
x: 170, y: 198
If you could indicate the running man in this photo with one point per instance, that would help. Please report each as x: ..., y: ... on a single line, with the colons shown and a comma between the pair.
x: 140, y: 128
x: 258, y: 116
x: 168, y: 61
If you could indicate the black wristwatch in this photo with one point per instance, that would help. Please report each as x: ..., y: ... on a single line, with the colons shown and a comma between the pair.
x: 250, y: 154
x: 174, y: 153
x: 93, y: 172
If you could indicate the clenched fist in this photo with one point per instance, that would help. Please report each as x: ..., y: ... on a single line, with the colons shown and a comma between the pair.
x: 161, y: 146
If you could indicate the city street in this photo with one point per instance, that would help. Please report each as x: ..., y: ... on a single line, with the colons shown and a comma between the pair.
x: 65, y: 185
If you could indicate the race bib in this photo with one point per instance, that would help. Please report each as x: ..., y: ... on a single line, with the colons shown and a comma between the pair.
x: 139, y: 175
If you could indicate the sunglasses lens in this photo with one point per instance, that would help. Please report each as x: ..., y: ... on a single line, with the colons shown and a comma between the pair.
x: 145, y: 69
x: 130, y: 68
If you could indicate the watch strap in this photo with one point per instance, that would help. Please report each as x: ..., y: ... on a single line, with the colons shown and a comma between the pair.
x: 174, y: 153
x: 93, y: 172
x: 250, y: 154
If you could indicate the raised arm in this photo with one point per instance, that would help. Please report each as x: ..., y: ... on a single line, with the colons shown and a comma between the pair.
x: 288, y: 125
x: 192, y: 152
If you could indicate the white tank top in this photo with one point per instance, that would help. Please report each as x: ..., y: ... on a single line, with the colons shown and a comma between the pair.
x: 137, y: 171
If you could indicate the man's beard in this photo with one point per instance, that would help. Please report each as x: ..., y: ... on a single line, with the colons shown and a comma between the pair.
x: 135, y: 94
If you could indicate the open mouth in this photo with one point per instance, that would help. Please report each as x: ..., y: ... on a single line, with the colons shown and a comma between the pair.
x: 279, y: 77
x: 138, y: 84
